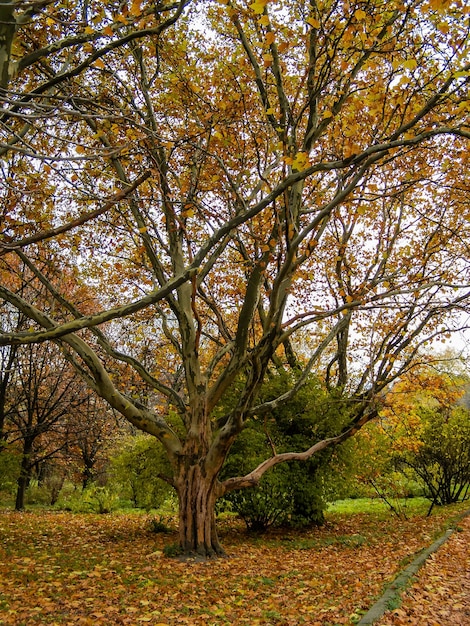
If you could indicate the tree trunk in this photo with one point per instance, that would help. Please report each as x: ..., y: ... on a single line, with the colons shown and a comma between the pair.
x: 25, y: 472
x: 197, y: 494
x: 24, y: 477
x: 88, y: 474
x: 22, y: 483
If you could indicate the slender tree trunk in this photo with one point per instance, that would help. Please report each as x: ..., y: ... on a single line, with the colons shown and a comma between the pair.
x: 88, y: 474
x: 25, y: 475
x: 197, y: 493
x: 20, y: 491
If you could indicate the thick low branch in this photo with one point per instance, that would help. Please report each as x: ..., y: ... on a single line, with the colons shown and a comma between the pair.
x: 253, y: 478
x: 87, y: 321
x: 98, y: 378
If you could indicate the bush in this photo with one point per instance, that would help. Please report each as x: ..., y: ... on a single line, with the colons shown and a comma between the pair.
x: 442, y: 463
x: 136, y: 470
x: 37, y: 494
x: 10, y: 462
x: 159, y: 526
x: 100, y: 499
x: 92, y: 499
x: 268, y: 504
x: 291, y: 494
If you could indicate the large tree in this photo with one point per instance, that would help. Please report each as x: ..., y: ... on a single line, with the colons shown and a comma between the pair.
x: 247, y: 185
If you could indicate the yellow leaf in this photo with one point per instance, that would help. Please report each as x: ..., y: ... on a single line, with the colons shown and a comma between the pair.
x: 135, y: 8
x: 264, y: 20
x: 439, y: 5
x: 79, y: 149
x: 301, y: 161
x: 99, y: 63
x: 108, y: 31
x: 89, y: 30
x: 268, y: 59
x: 410, y: 64
x: 327, y: 114
x: 360, y: 14
x: 444, y: 28
x: 314, y: 23
x: 258, y: 6
x: 270, y: 111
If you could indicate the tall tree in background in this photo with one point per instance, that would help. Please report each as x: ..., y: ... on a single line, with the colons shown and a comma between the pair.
x: 93, y: 430
x: 44, y: 394
x: 239, y: 181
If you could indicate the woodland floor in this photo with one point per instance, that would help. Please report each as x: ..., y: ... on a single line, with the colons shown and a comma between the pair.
x: 64, y: 568
x: 440, y: 594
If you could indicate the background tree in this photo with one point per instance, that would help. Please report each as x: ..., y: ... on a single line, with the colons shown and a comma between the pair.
x: 427, y: 425
x: 304, y: 167
x: 44, y: 393
x: 93, y: 430
x: 140, y: 472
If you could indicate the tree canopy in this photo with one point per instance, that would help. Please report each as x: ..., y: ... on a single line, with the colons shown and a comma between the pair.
x: 207, y: 190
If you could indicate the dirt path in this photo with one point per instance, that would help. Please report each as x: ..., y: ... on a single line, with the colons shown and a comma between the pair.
x: 440, y: 593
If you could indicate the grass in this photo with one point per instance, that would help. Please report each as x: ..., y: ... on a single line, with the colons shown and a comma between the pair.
x: 411, y: 506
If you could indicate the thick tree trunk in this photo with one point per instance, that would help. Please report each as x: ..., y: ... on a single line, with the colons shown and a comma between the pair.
x: 197, y: 495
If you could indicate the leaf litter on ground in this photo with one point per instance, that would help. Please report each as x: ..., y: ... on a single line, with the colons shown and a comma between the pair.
x: 63, y: 568
x: 440, y: 594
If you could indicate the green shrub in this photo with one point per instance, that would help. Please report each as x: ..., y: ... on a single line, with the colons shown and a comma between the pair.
x: 37, y: 494
x: 92, y: 499
x: 268, y: 504
x: 442, y: 463
x: 291, y: 494
x: 158, y: 525
x: 100, y: 499
x: 135, y: 472
x: 10, y: 462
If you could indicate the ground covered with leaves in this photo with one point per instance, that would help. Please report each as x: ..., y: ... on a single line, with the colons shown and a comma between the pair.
x: 64, y: 568
x: 440, y: 595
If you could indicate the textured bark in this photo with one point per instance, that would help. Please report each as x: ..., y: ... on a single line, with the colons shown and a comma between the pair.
x: 197, y: 495
x: 7, y: 34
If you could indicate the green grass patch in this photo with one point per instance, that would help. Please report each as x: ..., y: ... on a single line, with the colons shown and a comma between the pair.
x: 410, y: 506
